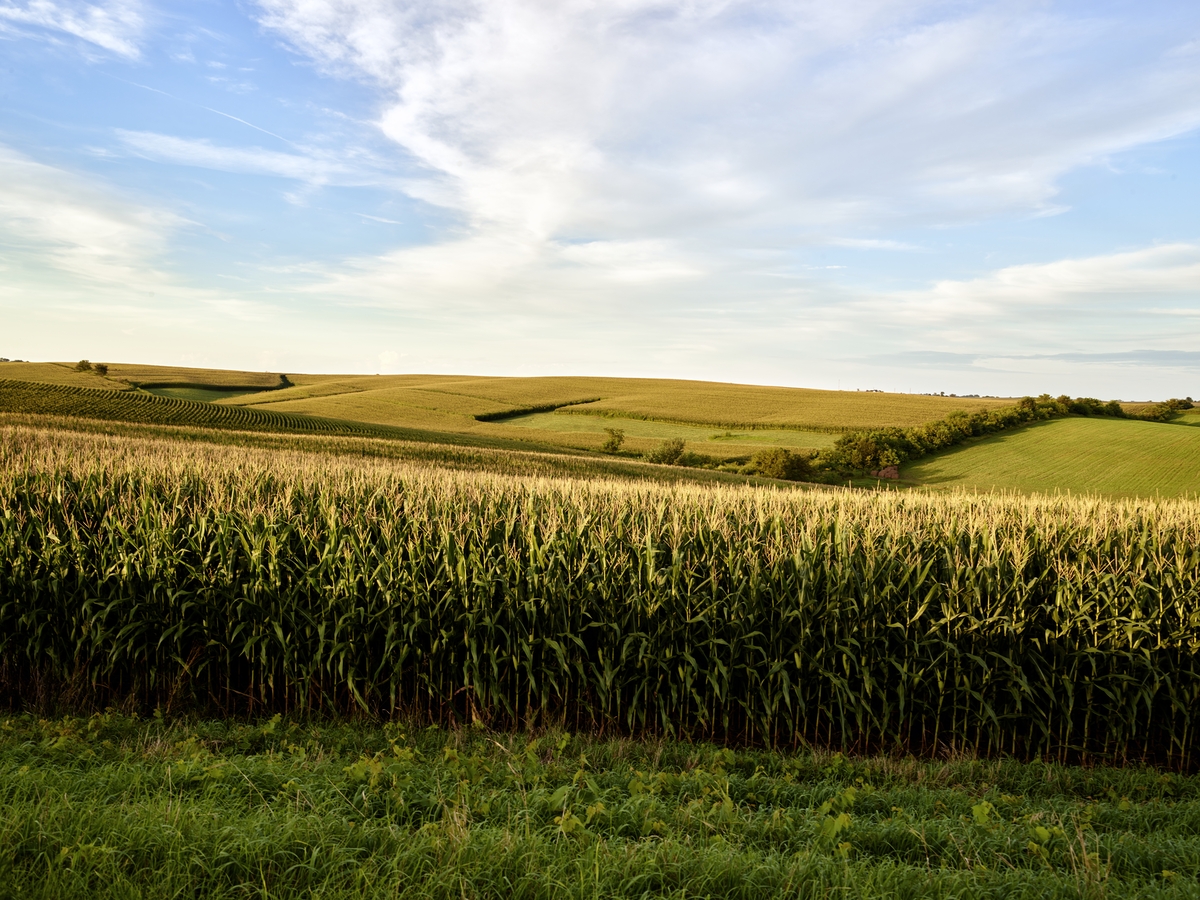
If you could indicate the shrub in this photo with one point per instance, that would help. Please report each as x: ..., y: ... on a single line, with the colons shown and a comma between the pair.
x: 100, y: 368
x: 83, y: 366
x: 783, y: 464
x: 667, y: 453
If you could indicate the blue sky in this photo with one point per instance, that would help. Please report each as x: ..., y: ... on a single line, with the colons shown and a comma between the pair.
x: 994, y: 198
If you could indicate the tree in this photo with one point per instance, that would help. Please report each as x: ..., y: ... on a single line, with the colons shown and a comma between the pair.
x: 616, y: 437
x: 100, y: 368
x: 777, y: 462
x: 667, y: 453
x: 83, y: 366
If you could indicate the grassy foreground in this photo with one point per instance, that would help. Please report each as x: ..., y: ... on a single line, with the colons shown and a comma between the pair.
x: 115, y: 807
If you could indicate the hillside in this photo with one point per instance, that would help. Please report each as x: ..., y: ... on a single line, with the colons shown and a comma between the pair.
x: 1108, y: 457
x: 33, y: 398
x: 721, y: 421
x: 718, y: 420
x: 724, y: 422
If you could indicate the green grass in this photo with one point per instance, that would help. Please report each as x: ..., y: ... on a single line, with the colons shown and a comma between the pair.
x: 112, y: 807
x: 1108, y: 457
x: 707, y: 440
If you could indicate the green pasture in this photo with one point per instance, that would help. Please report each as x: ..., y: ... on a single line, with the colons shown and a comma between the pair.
x: 1108, y: 457
x: 708, y: 440
x: 114, y: 807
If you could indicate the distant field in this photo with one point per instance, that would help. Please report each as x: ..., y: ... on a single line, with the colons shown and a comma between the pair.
x: 176, y: 375
x: 30, y: 398
x: 736, y: 405
x: 1110, y: 457
x: 708, y: 440
x: 692, y: 410
x: 199, y: 394
x: 57, y: 373
x: 695, y: 411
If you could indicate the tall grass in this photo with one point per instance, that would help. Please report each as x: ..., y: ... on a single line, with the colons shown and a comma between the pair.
x: 235, y: 579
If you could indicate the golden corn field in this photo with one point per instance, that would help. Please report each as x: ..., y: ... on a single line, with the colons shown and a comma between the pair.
x: 30, y: 398
x: 190, y: 576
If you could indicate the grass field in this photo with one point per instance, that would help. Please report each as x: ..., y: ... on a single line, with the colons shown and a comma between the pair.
x: 639, y: 432
x: 1109, y: 457
x: 113, y: 807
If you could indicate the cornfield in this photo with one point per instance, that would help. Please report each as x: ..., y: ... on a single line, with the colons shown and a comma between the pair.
x: 130, y: 406
x: 198, y: 577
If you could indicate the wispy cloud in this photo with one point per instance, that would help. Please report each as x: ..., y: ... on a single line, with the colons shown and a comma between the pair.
x: 116, y: 26
x: 644, y: 117
x: 314, y: 167
x: 644, y: 160
x: 53, y: 218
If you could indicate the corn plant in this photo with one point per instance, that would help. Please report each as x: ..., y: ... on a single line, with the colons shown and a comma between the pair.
x: 189, y: 576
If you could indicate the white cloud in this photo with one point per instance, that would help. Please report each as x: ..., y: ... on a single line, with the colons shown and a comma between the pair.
x: 207, y: 155
x: 116, y: 26
x: 610, y: 120
x: 657, y: 161
x: 1130, y: 281
x: 49, y: 217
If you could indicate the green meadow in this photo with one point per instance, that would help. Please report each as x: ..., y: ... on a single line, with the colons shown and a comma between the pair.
x: 1107, y: 457
x: 710, y: 441
x: 116, y: 807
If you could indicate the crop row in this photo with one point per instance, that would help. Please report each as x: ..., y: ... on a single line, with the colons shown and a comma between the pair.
x: 1005, y: 625
x: 133, y: 406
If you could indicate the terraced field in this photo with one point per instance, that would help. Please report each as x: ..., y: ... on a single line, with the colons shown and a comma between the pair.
x: 57, y: 373
x: 1108, y: 457
x: 31, y: 398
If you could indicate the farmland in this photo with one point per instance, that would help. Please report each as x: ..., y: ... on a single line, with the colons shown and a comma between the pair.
x: 1109, y: 457
x: 253, y: 580
x: 396, y: 400
x: 249, y: 649
x: 719, y: 421
x: 127, y: 406
x: 641, y: 433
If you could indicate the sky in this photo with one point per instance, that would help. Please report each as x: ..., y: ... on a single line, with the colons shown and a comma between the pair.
x: 913, y: 195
